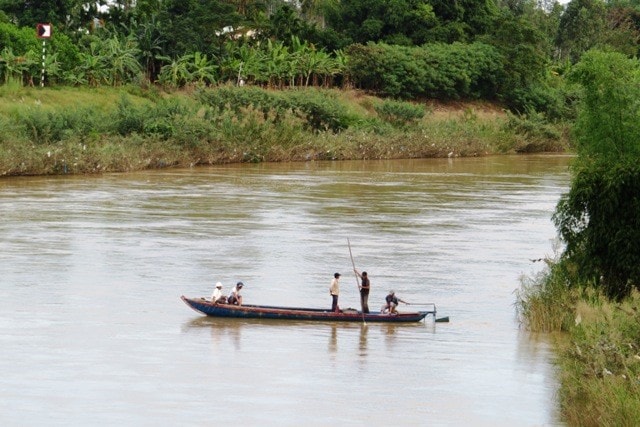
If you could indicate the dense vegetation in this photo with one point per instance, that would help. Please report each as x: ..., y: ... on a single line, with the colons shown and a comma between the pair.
x: 516, y: 52
x: 71, y: 130
x: 592, y: 289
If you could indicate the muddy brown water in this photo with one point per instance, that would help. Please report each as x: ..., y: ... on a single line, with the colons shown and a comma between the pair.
x: 93, y: 331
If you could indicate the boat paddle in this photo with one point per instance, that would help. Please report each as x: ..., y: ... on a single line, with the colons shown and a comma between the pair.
x: 356, y: 274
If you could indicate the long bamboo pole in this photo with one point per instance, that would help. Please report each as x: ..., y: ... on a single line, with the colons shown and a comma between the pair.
x: 357, y: 283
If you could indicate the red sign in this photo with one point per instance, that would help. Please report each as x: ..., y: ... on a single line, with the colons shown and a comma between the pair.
x: 43, y: 31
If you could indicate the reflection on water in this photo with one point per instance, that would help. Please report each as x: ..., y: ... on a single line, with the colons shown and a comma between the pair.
x: 363, y: 340
x: 93, y: 331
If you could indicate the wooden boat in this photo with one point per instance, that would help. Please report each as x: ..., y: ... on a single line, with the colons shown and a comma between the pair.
x: 203, y: 306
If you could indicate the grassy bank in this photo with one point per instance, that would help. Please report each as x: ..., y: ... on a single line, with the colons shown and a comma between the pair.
x: 81, y: 130
x: 597, y: 347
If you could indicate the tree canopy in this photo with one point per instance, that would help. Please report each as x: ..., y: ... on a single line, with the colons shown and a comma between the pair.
x: 599, y: 219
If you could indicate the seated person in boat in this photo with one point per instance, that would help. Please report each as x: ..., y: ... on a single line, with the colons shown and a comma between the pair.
x: 235, y: 297
x: 391, y: 303
x: 217, y: 297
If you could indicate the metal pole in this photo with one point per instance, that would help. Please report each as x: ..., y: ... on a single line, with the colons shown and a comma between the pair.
x: 44, y: 55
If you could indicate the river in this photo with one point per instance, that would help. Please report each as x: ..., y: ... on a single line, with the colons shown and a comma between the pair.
x: 93, y: 331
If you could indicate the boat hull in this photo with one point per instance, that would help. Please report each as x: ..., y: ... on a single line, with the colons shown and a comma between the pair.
x: 295, y: 313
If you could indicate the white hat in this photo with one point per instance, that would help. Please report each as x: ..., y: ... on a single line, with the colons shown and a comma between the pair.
x: 218, y: 285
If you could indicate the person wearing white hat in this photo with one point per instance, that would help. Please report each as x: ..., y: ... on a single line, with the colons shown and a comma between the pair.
x: 217, y: 297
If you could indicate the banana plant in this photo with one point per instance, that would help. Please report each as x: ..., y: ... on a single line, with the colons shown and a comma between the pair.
x: 13, y: 66
x: 201, y: 70
x: 121, y: 55
x: 92, y: 67
x: 177, y: 73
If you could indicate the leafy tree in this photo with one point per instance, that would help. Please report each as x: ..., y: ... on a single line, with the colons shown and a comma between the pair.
x: 65, y: 15
x: 437, y: 70
x: 152, y: 42
x: 413, y: 22
x: 20, y: 40
x: 408, y: 21
x: 581, y: 27
x: 284, y: 24
x: 599, y: 219
x: 316, y: 10
x: 196, y: 25
x: 524, y: 52
x: 475, y: 17
x: 623, y: 28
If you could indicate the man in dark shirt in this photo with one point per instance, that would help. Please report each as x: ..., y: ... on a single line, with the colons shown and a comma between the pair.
x: 392, y: 302
x: 365, y: 286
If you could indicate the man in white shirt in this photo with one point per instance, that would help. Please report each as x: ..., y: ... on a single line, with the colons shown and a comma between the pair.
x: 234, y: 296
x: 334, y: 290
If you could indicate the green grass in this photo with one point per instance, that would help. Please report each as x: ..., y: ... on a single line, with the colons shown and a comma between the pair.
x: 597, y: 347
x: 90, y: 127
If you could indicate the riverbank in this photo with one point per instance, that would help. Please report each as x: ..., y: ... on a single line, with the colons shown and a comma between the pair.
x: 51, y: 131
x: 597, y: 347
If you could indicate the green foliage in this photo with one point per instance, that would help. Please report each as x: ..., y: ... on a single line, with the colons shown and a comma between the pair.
x: 128, y: 118
x: 582, y: 26
x: 399, y: 113
x: 608, y: 126
x: 543, y: 301
x: 435, y: 70
x: 176, y: 73
x: 193, y: 25
x: 600, y: 365
x: 319, y: 110
x: 29, y: 13
x: 19, y: 40
x: 523, y: 50
x: 412, y: 22
x: 557, y: 102
x: 119, y: 54
x: 538, y: 134
x: 599, y: 219
x: 42, y: 127
x: 66, y: 52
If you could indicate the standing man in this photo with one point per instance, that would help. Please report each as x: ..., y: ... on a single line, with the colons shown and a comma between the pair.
x: 365, y: 286
x: 334, y: 290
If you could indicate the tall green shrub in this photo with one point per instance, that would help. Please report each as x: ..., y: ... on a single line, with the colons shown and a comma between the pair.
x: 599, y: 219
x: 399, y: 113
x: 437, y: 70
